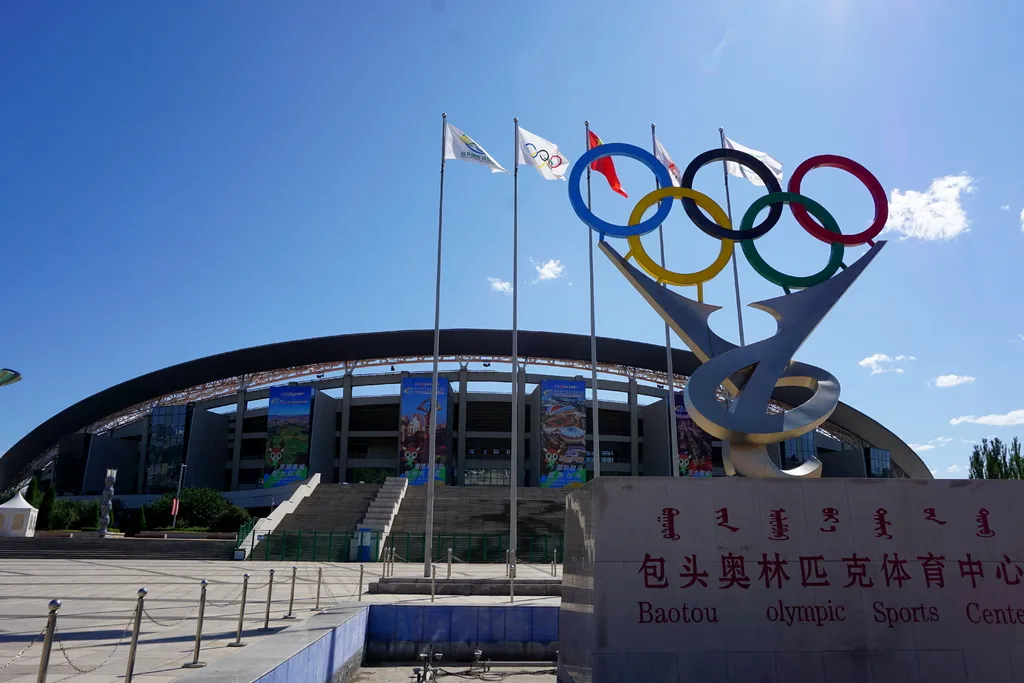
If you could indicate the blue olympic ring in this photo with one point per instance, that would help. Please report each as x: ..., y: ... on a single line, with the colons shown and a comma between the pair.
x: 631, y: 152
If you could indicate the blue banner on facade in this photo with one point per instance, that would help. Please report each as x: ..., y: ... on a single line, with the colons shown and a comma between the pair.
x: 563, y: 424
x: 289, y: 418
x: 414, y: 432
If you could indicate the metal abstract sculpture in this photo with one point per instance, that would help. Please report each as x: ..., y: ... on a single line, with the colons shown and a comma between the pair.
x: 748, y: 373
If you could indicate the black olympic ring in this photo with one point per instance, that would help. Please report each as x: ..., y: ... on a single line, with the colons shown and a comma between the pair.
x: 708, y: 226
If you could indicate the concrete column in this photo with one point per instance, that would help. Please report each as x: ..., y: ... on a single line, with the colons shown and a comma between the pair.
x: 463, y: 398
x: 346, y: 413
x: 634, y: 431
x: 521, y: 436
x: 143, y: 449
x: 236, y: 452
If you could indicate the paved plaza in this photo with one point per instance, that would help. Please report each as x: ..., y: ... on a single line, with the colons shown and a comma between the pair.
x: 99, y: 598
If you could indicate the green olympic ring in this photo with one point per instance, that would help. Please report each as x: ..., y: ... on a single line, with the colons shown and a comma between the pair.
x: 761, y: 267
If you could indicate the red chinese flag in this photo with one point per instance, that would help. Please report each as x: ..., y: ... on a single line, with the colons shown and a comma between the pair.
x: 605, y: 166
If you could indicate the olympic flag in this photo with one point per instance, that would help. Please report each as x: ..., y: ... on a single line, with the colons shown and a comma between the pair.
x: 743, y: 172
x: 542, y: 154
x: 662, y: 155
x: 458, y: 145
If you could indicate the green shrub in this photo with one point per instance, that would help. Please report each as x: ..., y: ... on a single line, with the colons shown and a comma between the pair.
x: 231, y: 519
x: 198, y: 507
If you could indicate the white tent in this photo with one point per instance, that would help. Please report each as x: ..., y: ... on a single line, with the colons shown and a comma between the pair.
x: 17, y: 517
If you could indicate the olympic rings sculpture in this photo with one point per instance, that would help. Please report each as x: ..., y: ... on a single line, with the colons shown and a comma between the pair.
x: 809, y: 214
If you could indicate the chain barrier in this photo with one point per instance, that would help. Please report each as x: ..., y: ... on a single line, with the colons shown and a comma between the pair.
x: 27, y: 648
x: 233, y: 601
x: 60, y: 644
x: 179, y: 622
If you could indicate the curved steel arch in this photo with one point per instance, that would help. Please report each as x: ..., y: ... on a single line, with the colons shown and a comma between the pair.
x: 405, y: 343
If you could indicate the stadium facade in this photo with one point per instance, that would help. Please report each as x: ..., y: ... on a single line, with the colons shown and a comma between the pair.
x: 273, y: 414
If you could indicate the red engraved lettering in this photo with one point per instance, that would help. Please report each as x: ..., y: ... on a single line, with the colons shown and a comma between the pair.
x: 779, y: 523
x: 668, y: 523
x: 882, y: 524
x: 691, y: 574
x: 895, y: 570
x: 930, y: 516
x: 933, y: 566
x: 653, y: 569
x: 857, y: 570
x: 734, y: 572
x: 972, y: 570
x: 984, y: 530
x: 1003, y: 572
x: 773, y: 570
x: 812, y: 573
x: 829, y: 516
x: 722, y: 516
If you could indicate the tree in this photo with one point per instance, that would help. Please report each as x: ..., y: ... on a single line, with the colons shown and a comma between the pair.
x: 995, y: 460
x: 33, y: 495
x: 46, y: 509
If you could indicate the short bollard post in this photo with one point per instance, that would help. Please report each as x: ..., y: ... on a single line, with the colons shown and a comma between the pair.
x: 511, y: 586
x: 319, y: 580
x: 508, y: 563
x: 359, y: 597
x: 270, y: 595
x: 195, y: 663
x: 433, y: 578
x: 449, y: 563
x: 51, y: 626
x: 130, y: 671
x: 554, y: 560
x: 241, y: 613
x: 291, y: 599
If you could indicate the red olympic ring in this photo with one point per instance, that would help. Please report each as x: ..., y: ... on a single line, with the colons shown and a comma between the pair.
x: 860, y: 173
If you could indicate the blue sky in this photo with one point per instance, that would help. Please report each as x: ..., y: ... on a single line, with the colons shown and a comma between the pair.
x: 181, y: 179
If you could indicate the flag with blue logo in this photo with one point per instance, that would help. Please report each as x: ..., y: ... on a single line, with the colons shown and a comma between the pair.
x: 458, y: 145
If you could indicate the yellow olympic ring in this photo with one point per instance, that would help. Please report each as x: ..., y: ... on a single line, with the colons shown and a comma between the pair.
x: 662, y: 274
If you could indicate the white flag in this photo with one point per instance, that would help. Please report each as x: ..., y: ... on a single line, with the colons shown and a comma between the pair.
x: 542, y: 155
x: 662, y: 155
x: 458, y: 145
x: 743, y: 172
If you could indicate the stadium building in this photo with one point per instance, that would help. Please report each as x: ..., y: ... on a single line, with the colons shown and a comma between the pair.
x: 334, y: 406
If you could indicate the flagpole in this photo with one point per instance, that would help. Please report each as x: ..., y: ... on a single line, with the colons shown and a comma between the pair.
x: 735, y: 267
x: 596, y: 448
x: 673, y: 435
x: 512, y: 502
x: 432, y: 421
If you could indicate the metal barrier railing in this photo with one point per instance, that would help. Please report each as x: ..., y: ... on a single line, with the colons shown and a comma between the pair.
x: 472, y: 548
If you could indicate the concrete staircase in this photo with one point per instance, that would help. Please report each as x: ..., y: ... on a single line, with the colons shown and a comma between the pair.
x: 474, y: 522
x: 382, y: 511
x: 321, y: 526
x: 84, y: 547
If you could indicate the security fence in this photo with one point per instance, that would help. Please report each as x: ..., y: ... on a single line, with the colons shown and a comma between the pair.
x: 334, y: 546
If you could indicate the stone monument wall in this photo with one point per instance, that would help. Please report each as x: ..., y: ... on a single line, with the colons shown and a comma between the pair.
x: 671, y: 580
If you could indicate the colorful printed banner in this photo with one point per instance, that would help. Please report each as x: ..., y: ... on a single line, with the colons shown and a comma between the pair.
x: 694, y: 444
x: 414, y: 434
x: 563, y: 423
x: 288, y: 425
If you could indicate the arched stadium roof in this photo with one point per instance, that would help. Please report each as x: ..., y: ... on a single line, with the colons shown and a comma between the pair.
x: 354, y: 348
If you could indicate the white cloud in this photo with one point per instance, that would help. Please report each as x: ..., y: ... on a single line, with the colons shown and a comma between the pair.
x: 499, y: 285
x: 551, y: 270
x: 918, y: 447
x: 881, y: 362
x: 953, y: 469
x: 1022, y: 220
x: 935, y: 214
x: 1021, y: 336
x: 1005, y: 207
x: 945, y: 381
x: 970, y: 442
x: 933, y: 471
x: 1014, y: 417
